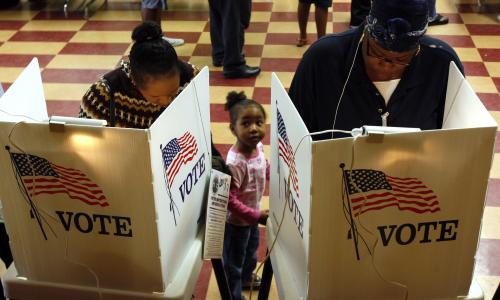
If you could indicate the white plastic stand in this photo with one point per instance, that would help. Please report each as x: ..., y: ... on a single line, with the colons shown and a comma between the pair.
x: 17, y: 288
x: 287, y: 289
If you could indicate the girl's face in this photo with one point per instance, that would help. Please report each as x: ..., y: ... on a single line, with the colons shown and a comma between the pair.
x: 249, y: 128
x: 161, y: 90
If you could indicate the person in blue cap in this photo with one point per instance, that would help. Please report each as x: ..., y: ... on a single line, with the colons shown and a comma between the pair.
x: 361, y: 8
x: 387, y: 72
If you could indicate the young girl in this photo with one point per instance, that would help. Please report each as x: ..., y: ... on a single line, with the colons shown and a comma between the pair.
x: 249, y: 169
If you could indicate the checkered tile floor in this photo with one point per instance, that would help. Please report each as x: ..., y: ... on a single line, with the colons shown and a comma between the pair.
x: 73, y: 52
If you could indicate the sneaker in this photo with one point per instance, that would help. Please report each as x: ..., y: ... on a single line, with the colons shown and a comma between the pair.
x: 174, y: 42
x: 256, y: 283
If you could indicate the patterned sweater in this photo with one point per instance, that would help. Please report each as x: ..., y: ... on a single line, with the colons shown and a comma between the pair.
x: 131, y: 108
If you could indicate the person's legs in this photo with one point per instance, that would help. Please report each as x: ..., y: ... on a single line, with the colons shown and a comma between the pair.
x: 302, y: 17
x: 432, y: 8
x: 434, y: 17
x: 234, y: 16
x: 359, y: 11
x: 151, y: 11
x: 231, y: 31
x: 235, y: 245
x: 151, y: 14
x: 216, y: 32
x: 321, y: 17
x: 246, y: 12
x: 251, y: 254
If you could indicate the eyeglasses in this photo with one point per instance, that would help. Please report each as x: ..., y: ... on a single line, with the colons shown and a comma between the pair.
x: 396, y: 61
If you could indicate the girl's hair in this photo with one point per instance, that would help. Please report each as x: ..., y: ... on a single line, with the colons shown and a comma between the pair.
x: 151, y: 55
x: 235, y: 102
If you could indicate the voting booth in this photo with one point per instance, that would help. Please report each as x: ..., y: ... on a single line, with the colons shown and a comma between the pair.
x: 108, y: 211
x: 381, y: 216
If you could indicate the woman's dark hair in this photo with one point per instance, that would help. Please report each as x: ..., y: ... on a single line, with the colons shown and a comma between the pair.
x: 235, y: 102
x: 151, y: 55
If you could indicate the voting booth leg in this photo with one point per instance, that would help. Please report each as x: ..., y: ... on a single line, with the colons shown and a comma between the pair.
x: 267, y: 277
x: 220, y: 276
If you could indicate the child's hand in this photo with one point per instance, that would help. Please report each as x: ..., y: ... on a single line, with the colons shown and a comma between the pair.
x: 264, y: 214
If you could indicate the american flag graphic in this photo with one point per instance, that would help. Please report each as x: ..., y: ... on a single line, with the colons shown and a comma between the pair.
x: 285, y: 151
x: 40, y: 176
x: 176, y: 153
x: 383, y: 191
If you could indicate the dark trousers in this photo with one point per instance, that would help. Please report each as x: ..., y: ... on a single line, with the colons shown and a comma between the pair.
x: 359, y: 11
x: 5, y: 253
x: 240, y: 255
x: 228, y: 21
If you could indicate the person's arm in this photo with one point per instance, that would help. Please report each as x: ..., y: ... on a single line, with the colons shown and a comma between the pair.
x: 95, y: 102
x: 235, y: 206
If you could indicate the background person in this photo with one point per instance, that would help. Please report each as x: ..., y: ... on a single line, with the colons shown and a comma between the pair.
x: 151, y: 11
x: 228, y: 21
x: 320, y: 17
x: 137, y: 92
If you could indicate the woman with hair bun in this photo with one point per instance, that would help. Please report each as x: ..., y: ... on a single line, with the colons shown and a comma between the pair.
x: 137, y: 92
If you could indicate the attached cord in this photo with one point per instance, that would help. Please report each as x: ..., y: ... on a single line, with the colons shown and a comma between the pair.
x: 347, y: 80
x: 372, y: 252
x: 14, y: 115
x: 91, y: 271
x: 209, y: 149
x: 66, y: 255
x: 30, y: 203
x: 287, y: 197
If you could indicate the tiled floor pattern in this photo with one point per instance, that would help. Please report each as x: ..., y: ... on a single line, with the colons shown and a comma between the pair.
x: 73, y: 52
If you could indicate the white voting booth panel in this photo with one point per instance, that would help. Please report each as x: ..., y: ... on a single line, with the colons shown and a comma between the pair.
x: 25, y: 99
x: 106, y: 208
x: 406, y: 219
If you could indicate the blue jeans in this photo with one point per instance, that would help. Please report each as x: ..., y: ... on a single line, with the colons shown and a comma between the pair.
x: 240, y: 255
x: 431, y: 4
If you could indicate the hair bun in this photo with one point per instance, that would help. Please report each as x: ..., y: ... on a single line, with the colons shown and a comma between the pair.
x: 233, y: 98
x: 146, y: 31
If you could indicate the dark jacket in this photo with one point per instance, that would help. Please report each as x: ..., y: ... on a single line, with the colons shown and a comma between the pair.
x: 418, y: 100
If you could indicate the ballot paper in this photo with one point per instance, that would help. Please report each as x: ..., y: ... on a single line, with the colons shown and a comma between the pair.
x: 218, y: 197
